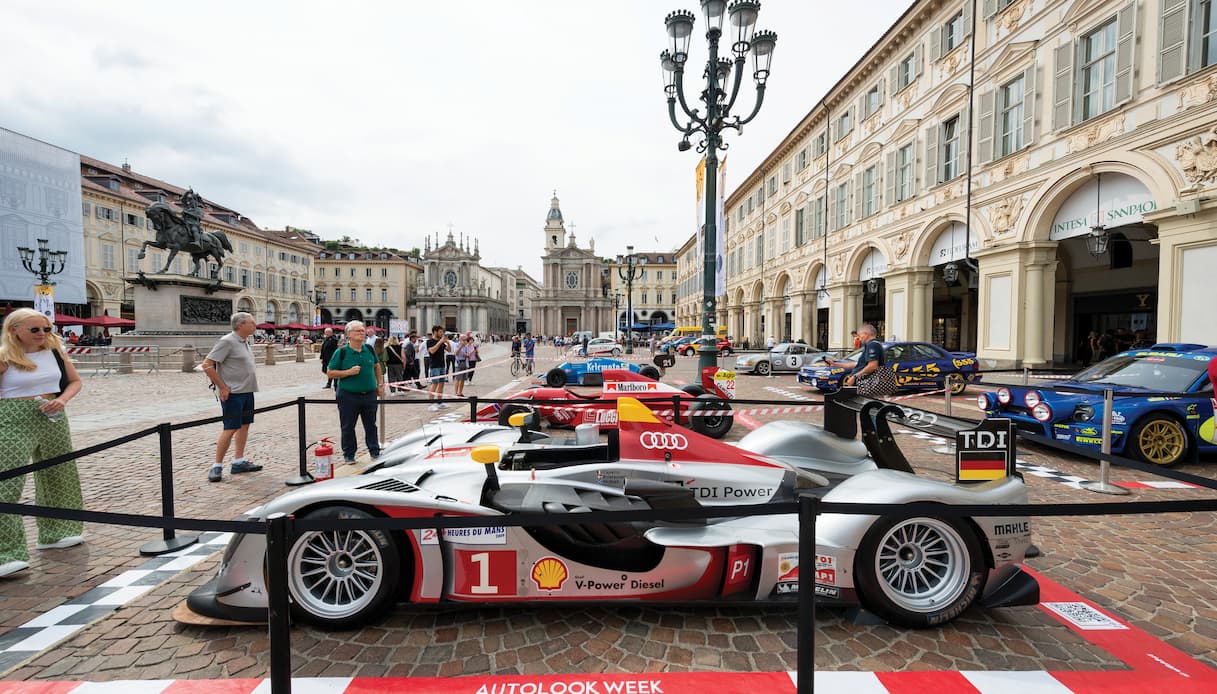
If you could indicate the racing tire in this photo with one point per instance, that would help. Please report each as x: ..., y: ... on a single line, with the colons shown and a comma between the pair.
x: 1159, y: 440
x: 616, y: 352
x: 339, y: 579
x: 715, y: 426
x: 693, y: 389
x: 555, y: 378
x: 726, y: 351
x: 513, y: 408
x: 957, y: 383
x: 762, y: 368
x: 919, y: 572
x: 649, y: 371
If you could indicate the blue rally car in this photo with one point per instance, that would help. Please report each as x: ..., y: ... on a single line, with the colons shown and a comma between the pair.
x: 1159, y: 430
x: 918, y: 366
x: 587, y: 372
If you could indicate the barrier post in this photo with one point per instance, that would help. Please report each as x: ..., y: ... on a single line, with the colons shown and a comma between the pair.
x: 1103, y: 485
x: 278, y: 537
x: 473, y: 408
x: 300, y: 352
x: 188, y: 356
x: 676, y: 410
x: 949, y: 448
x: 305, y: 477
x: 947, y: 395
x: 1026, y: 375
x: 124, y: 363
x: 806, y: 667
x: 170, y: 542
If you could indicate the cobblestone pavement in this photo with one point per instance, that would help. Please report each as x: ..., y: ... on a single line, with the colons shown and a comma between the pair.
x: 1156, y: 572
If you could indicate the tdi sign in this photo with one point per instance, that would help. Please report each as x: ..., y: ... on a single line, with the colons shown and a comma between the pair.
x: 986, y: 452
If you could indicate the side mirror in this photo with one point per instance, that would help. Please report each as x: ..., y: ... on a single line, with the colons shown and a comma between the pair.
x: 488, y: 456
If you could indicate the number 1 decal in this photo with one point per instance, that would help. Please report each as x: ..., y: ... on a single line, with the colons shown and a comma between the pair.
x: 482, y: 574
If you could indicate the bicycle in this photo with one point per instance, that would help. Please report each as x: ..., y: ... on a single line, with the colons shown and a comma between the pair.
x: 517, y: 365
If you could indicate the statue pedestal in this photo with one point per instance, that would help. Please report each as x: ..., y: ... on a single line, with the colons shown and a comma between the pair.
x: 172, y: 311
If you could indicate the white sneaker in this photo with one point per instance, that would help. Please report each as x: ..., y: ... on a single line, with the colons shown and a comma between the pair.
x: 12, y: 567
x: 443, y: 405
x: 434, y: 407
x: 69, y: 541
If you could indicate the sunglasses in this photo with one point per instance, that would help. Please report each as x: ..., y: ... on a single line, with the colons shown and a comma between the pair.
x: 46, y: 329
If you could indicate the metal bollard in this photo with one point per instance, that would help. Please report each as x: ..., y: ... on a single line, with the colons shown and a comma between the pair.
x: 473, y: 408
x: 1103, y: 485
x: 806, y: 664
x: 1026, y: 375
x: 188, y: 356
x: 305, y: 477
x: 946, y: 396
x: 169, y: 542
x: 278, y: 539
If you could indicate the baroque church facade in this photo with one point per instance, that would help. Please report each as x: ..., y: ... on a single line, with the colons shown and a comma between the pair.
x: 456, y: 292
x: 574, y: 292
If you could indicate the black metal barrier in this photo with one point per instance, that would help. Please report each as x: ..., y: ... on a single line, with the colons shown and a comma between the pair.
x: 281, y: 530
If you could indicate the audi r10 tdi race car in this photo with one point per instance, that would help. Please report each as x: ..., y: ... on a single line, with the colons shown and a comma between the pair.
x: 1146, y: 424
x: 702, y: 408
x: 591, y: 372
x: 919, y: 571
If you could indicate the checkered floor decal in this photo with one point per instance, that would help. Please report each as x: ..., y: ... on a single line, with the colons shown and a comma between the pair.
x: 789, y: 394
x: 63, y: 621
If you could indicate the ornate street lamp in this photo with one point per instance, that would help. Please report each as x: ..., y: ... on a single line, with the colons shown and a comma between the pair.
x: 317, y: 298
x: 718, y: 100
x: 1096, y: 240
x: 616, y: 313
x: 49, y: 262
x: 629, y: 267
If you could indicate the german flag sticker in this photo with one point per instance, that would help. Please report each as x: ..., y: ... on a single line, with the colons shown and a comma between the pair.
x: 981, y: 466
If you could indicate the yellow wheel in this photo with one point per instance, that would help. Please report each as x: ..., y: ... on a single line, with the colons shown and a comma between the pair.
x: 957, y: 383
x: 1160, y: 440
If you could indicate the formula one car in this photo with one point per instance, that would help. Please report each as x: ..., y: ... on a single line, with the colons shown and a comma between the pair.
x: 601, y: 408
x: 918, y: 366
x: 1159, y: 430
x: 787, y: 356
x: 589, y: 372
x: 915, y: 572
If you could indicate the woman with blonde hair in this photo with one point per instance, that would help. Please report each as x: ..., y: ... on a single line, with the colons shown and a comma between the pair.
x: 36, y: 382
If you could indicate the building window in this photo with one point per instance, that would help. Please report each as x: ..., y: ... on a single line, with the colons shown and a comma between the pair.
x: 1010, y: 120
x: 295, y: 286
x: 949, y: 137
x: 245, y: 278
x: 906, y: 71
x: 799, y: 229
x: 384, y: 272
x: 644, y: 298
x: 244, y: 248
x: 107, y: 256
x: 841, y: 208
x: 84, y: 209
x: 353, y: 297
x: 1207, y: 29
x: 337, y: 272
x: 228, y: 273
x: 870, y: 191
x: 105, y: 213
x: 786, y: 240
x: 1098, y: 71
x: 844, y: 123
x: 384, y: 296
x: 773, y: 185
x: 367, y: 272
x: 352, y: 272
x: 819, y: 145
x: 817, y: 217
x: 953, y: 32
x: 871, y: 101
x: 134, y: 220
x: 259, y: 283
x: 760, y: 248
x: 904, y: 172
x: 801, y: 159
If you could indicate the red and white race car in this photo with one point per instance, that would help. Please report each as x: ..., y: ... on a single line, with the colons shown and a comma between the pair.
x: 564, y: 407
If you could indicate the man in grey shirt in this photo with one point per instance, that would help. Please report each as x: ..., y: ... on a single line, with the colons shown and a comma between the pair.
x: 230, y: 366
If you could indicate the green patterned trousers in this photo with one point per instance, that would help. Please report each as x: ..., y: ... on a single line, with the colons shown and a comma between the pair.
x: 27, y: 435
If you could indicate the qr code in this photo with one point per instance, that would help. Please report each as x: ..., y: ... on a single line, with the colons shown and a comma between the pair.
x: 1083, y: 616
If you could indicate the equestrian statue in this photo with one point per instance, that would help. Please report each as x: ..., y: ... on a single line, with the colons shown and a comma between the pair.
x: 184, y: 233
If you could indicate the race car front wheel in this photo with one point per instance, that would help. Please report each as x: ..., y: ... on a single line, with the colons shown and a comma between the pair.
x: 957, y: 383
x: 555, y: 378
x: 919, y: 572
x: 342, y: 578
x: 762, y: 368
x: 716, y: 425
x: 650, y: 371
x: 1160, y: 440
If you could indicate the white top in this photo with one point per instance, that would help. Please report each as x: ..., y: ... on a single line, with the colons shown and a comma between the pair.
x: 44, y: 379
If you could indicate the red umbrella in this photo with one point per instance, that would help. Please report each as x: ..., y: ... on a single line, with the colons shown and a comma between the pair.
x: 61, y: 319
x: 267, y: 326
x: 294, y: 326
x: 108, y: 321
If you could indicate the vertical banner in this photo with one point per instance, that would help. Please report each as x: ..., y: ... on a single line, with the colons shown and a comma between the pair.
x: 316, y: 317
x: 44, y: 301
x: 720, y: 237
x: 700, y: 204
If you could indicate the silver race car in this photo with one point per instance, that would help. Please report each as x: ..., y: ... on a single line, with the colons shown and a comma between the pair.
x: 914, y: 572
x: 784, y: 357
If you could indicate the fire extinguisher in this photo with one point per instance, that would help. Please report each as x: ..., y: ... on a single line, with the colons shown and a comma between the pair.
x: 323, y: 461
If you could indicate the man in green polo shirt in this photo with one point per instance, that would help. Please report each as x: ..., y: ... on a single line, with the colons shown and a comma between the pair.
x: 360, y: 382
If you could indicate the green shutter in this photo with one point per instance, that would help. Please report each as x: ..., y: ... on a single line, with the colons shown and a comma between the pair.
x: 931, y: 156
x: 1172, y: 40
x: 1062, y: 87
x: 1126, y: 41
x: 986, y: 125
x: 1029, y: 106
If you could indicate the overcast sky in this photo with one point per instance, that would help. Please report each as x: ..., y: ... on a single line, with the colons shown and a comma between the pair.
x: 389, y: 121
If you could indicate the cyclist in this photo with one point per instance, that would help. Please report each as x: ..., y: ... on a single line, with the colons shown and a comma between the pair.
x: 515, y: 345
x: 530, y: 350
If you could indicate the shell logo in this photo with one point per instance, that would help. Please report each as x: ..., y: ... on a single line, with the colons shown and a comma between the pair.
x: 549, y: 573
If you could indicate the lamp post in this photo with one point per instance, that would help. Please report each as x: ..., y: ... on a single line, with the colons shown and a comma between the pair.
x: 718, y: 100
x: 48, y: 263
x: 318, y: 297
x: 616, y: 313
x: 629, y: 267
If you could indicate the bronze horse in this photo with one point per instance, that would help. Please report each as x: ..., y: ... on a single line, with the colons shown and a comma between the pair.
x: 173, y: 236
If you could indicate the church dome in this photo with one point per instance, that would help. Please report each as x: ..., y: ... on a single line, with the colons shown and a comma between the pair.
x: 555, y: 214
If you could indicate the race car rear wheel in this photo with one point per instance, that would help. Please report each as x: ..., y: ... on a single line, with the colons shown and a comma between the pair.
x: 919, y: 572
x: 693, y: 389
x: 616, y: 352
x: 715, y: 426
x: 762, y: 368
x: 555, y: 378
x: 342, y: 578
x: 957, y: 383
x: 650, y: 371
x: 512, y: 408
x: 1160, y: 440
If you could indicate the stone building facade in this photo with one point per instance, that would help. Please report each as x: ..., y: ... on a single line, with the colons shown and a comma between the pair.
x: 1092, y: 185
x: 456, y: 292
x: 373, y: 285
x: 654, y: 289
x: 574, y: 291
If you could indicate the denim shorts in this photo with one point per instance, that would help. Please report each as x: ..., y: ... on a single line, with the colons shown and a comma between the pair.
x: 237, y: 410
x: 437, y: 374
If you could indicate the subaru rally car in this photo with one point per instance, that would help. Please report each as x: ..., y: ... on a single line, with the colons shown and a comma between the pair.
x: 918, y: 366
x: 1156, y: 429
x: 589, y: 372
x: 915, y: 572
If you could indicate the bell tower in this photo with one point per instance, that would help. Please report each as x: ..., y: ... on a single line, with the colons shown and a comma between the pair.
x: 555, y: 230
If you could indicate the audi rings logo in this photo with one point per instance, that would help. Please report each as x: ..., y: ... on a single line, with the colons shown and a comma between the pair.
x: 663, y: 440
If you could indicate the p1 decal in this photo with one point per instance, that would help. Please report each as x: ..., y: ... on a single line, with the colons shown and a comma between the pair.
x: 741, y: 567
x: 485, y: 574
